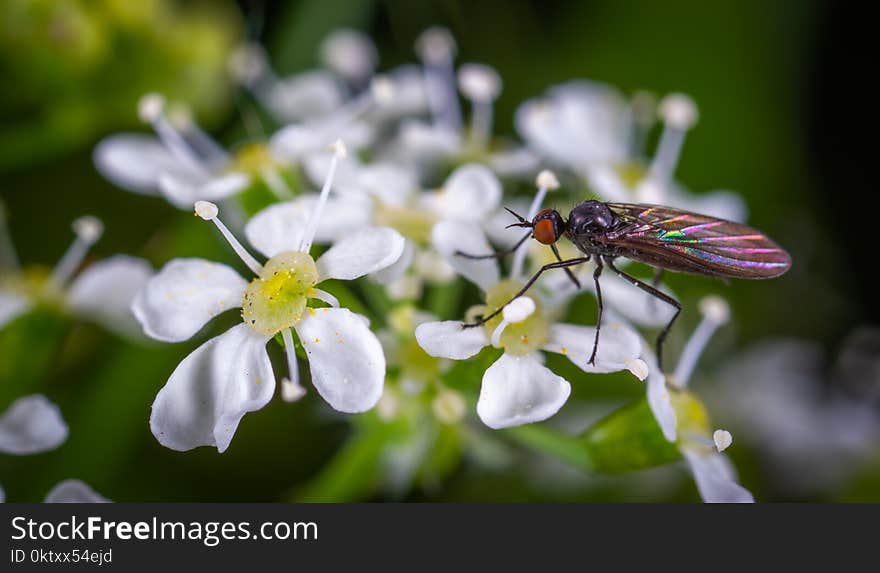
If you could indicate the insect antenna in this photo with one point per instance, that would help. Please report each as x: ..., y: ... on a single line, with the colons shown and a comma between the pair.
x: 522, y: 221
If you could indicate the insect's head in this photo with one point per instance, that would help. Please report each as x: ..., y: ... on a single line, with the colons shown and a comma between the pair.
x: 591, y: 218
x: 547, y: 226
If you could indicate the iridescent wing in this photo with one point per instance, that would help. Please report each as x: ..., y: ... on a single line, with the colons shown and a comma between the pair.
x: 693, y: 243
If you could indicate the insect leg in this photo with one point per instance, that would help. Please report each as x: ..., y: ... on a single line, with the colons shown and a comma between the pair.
x: 496, y: 255
x: 577, y: 283
x: 528, y: 285
x: 596, y: 274
x: 657, y: 294
x: 658, y: 277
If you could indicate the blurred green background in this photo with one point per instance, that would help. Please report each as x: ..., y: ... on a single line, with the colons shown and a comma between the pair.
x: 74, y: 70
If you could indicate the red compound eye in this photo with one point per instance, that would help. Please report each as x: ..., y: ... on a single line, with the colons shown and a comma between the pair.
x: 545, y: 232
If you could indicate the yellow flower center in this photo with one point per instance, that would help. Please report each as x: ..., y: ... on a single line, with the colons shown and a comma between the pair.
x: 276, y: 299
x: 518, y: 338
x: 690, y: 413
x: 253, y: 158
x: 33, y: 282
x: 414, y: 224
x: 631, y: 173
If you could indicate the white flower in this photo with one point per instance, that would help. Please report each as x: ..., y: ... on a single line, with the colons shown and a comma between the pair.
x: 101, y: 293
x: 593, y: 131
x: 211, y: 390
x: 387, y: 195
x: 31, y: 425
x: 577, y: 125
x: 782, y: 399
x: 712, y: 471
x: 518, y: 389
x: 74, y: 491
x: 182, y: 163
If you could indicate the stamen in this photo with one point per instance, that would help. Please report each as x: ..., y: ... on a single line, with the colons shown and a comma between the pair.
x: 722, y: 439
x: 88, y: 230
x: 339, y: 152
x: 546, y: 181
x: 180, y: 116
x: 151, y: 109
x: 642, y: 106
x: 324, y: 296
x: 481, y: 85
x: 381, y: 92
x: 8, y: 256
x: 679, y: 113
x: 436, y: 49
x: 209, y: 211
x: 276, y: 183
x: 716, y: 312
x: 516, y: 310
x: 291, y: 389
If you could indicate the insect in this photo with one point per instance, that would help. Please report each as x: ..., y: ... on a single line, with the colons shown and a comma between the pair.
x: 662, y: 237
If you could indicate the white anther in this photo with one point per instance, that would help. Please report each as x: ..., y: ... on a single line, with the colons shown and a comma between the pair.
x: 209, y: 211
x: 150, y: 107
x: 678, y: 110
x: 349, y: 53
x: 206, y: 210
x: 639, y: 368
x: 479, y: 82
x: 248, y: 63
x: 382, y: 90
x: 518, y: 309
x: 291, y: 391
x: 722, y: 439
x: 715, y: 308
x: 435, y: 44
x: 88, y: 228
x: 546, y: 179
x: 338, y: 148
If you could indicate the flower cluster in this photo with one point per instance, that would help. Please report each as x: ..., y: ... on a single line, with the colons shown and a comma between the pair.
x: 375, y: 194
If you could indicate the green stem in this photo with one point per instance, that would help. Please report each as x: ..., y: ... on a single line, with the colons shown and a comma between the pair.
x: 548, y: 441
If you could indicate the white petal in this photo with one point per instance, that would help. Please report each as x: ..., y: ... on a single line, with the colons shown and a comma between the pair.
x: 619, y: 345
x: 304, y: 96
x: 279, y: 227
x: 396, y: 270
x: 519, y: 390
x: 345, y: 358
x: 518, y: 162
x: 448, y: 339
x: 361, y: 253
x: 392, y: 184
x: 181, y: 298
x: 579, y: 123
x: 182, y: 189
x: 105, y: 290
x: 317, y: 167
x: 134, y: 161
x: 607, y: 184
x: 212, y: 389
x: 74, y: 491
x: 12, y: 305
x: 31, y: 425
x: 470, y: 193
x: 450, y: 237
x: 715, y: 478
x: 659, y: 399
x: 631, y: 302
x: 420, y: 143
